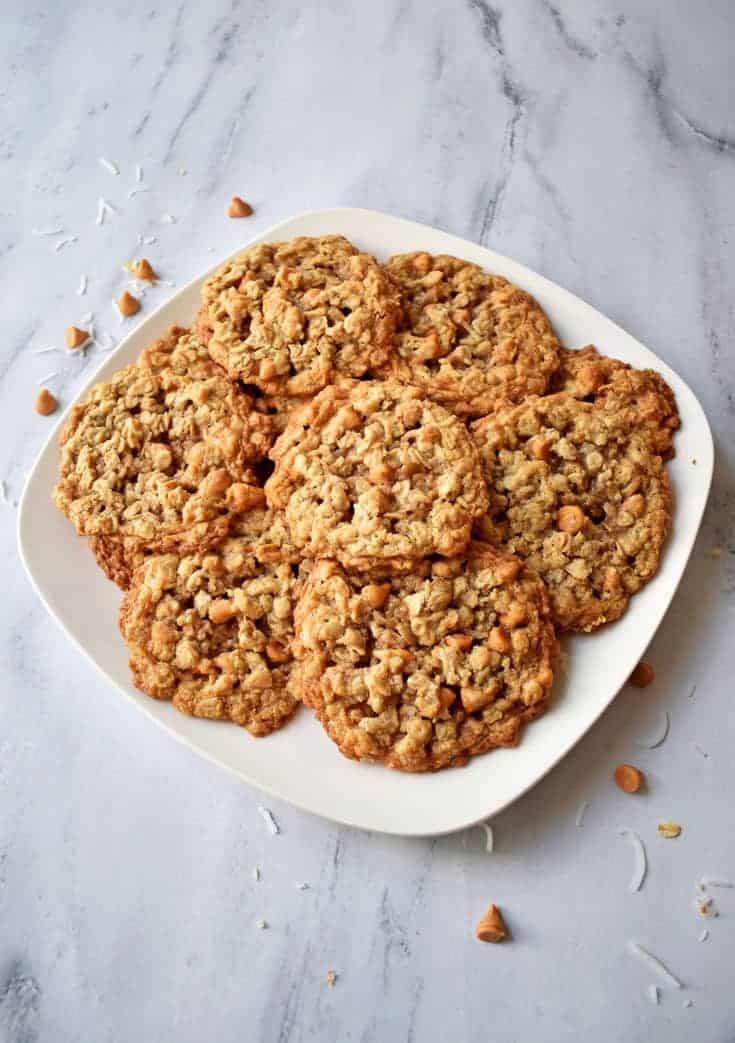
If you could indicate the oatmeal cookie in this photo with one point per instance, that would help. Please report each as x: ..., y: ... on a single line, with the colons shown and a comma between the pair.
x: 468, y: 338
x: 158, y: 456
x: 212, y: 630
x: 641, y: 394
x: 579, y: 495
x: 422, y: 671
x: 291, y: 317
x: 375, y: 474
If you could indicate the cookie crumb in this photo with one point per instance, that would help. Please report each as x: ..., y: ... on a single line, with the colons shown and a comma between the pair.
x: 332, y: 978
x: 628, y: 778
x: 491, y: 928
x: 127, y: 304
x: 669, y: 829
x: 642, y: 676
x: 239, y: 208
x: 45, y: 403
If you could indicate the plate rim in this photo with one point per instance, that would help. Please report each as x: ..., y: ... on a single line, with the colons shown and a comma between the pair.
x: 242, y: 775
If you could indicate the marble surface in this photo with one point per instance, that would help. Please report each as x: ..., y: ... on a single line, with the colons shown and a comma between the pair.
x: 593, y: 141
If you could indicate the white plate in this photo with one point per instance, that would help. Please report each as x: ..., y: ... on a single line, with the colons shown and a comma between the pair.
x: 299, y: 764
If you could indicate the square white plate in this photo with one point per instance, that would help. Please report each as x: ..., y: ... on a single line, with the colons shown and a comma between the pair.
x: 300, y: 764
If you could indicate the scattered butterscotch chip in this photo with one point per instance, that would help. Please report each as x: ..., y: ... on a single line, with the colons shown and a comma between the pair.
x: 144, y: 270
x: 642, y: 675
x: 669, y: 829
x: 491, y: 927
x: 127, y: 304
x: 76, y: 337
x: 331, y: 978
x: 239, y: 208
x: 45, y: 403
x: 628, y: 778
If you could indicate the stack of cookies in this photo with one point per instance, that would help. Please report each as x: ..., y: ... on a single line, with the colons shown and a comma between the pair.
x: 381, y: 491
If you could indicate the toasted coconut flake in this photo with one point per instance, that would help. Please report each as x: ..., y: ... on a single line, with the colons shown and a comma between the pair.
x: 640, y: 864
x: 655, y: 964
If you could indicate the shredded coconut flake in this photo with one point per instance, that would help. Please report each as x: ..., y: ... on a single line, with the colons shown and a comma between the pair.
x: 657, y: 735
x: 709, y: 881
x: 654, y: 964
x: 168, y: 219
x: 699, y: 749
x: 687, y: 1003
x: 44, y: 351
x: 49, y: 376
x: 581, y: 811
x: 86, y: 318
x: 269, y: 820
x: 256, y: 873
x: 489, y: 839
x: 148, y: 240
x: 138, y: 173
x: 65, y: 242
x: 261, y: 925
x: 3, y: 492
x: 111, y: 167
x: 692, y: 690
x: 132, y: 192
x: 640, y: 864
x: 703, y: 935
x: 654, y: 993
x: 302, y: 887
x: 82, y: 285
x: 47, y: 231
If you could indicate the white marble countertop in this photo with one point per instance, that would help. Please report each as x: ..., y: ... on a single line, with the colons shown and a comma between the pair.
x: 592, y: 141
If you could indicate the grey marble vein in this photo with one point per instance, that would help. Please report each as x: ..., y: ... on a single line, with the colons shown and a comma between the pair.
x: 592, y: 142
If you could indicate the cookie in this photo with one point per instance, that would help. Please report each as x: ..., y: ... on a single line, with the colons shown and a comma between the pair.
x: 158, y: 457
x: 579, y: 494
x: 375, y: 474
x: 212, y: 630
x: 642, y: 394
x: 467, y: 338
x: 292, y: 317
x: 278, y: 407
x: 423, y: 671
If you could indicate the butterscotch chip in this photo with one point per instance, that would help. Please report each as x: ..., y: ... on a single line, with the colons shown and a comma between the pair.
x: 325, y: 477
x: 74, y: 337
x: 127, y: 304
x: 628, y: 778
x: 641, y: 396
x: 467, y: 339
x: 292, y: 317
x: 45, y: 403
x: 491, y: 928
x: 239, y: 208
x: 669, y: 830
x: 212, y: 631
x: 591, y: 517
x: 144, y: 270
x: 642, y: 675
x: 410, y: 680
x: 159, y: 456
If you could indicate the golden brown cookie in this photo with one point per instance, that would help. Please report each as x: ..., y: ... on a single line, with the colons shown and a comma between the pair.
x: 579, y: 495
x: 292, y: 317
x: 375, y: 474
x: 422, y: 671
x: 467, y: 338
x: 212, y: 630
x: 159, y: 456
x: 641, y: 394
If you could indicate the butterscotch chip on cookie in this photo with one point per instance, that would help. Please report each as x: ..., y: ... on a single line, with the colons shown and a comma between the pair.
x: 422, y: 671
x: 159, y: 456
x: 293, y: 317
x: 579, y: 495
x: 642, y: 395
x: 375, y: 474
x: 467, y: 338
x: 212, y: 630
